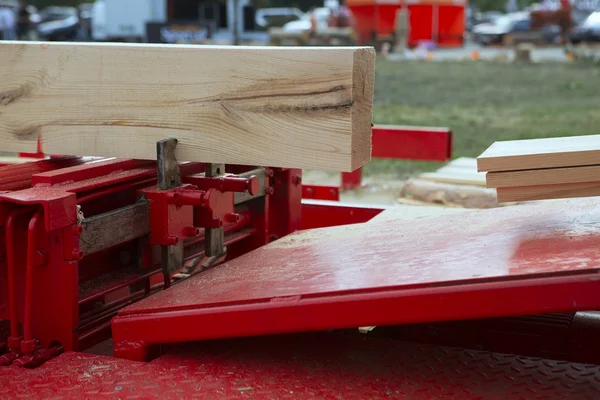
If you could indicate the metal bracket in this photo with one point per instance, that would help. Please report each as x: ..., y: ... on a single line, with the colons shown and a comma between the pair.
x: 168, y: 170
x: 169, y: 177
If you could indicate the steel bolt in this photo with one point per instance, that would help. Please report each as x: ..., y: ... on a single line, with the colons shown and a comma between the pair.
x: 77, y: 254
x: 232, y: 217
x: 269, y: 190
x: 172, y: 240
x: 77, y: 230
x: 191, y: 231
x: 297, y: 179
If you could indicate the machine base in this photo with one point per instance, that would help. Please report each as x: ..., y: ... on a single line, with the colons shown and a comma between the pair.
x: 324, y: 365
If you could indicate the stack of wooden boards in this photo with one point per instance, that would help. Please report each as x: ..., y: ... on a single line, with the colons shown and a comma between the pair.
x: 288, y: 107
x: 539, y: 169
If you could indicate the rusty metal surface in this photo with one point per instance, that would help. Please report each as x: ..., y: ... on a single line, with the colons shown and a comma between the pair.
x: 169, y: 177
x: 115, y: 227
x: 168, y: 170
x: 215, y: 237
x: 323, y: 366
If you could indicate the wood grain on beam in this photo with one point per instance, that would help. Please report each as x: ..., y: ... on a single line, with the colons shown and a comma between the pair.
x: 272, y: 106
x: 540, y: 153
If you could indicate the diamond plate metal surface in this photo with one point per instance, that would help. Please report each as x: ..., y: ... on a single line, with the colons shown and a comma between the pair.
x: 323, y: 366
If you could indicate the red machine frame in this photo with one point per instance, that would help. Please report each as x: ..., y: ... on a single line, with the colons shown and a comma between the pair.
x: 63, y: 296
x: 392, y: 142
x: 45, y: 206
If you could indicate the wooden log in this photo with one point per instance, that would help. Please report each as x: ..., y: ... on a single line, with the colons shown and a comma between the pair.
x: 540, y: 153
x: 281, y: 107
x: 549, y: 176
x: 454, y: 175
x: 449, y: 195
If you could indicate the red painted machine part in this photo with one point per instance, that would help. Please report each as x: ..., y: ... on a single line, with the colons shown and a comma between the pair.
x: 404, y: 143
x: 19, y: 176
x: 99, y: 186
x: 320, y: 192
x: 321, y: 214
x: 307, y: 366
x: 521, y: 260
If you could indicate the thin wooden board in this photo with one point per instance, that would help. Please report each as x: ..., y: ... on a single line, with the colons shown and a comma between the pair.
x: 463, y: 162
x: 462, y: 171
x: 546, y: 192
x: 456, y: 176
x: 540, y: 153
x: 550, y: 176
x: 293, y: 107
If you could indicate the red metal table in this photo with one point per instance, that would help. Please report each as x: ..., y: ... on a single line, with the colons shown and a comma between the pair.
x: 308, y: 366
x: 535, y: 258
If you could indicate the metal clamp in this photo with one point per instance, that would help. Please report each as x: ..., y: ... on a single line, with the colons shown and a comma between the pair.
x: 169, y: 177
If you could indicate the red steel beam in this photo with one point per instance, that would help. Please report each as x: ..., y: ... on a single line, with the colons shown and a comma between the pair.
x: 405, y: 143
x: 19, y: 176
x: 412, y: 143
x: 525, y: 260
x: 321, y: 214
x: 340, y: 311
x: 319, y: 192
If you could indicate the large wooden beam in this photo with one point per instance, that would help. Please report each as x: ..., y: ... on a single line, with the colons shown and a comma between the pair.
x: 272, y: 106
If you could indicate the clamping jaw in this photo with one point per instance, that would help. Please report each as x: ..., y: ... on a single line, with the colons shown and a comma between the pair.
x: 207, y: 200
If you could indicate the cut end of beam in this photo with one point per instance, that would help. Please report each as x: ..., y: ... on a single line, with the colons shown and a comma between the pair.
x: 363, y: 86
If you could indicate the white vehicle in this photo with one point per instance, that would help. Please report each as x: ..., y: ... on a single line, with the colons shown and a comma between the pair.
x: 125, y: 19
x: 265, y: 17
x: 303, y: 24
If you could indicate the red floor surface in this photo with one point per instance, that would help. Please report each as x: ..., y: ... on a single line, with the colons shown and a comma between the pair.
x: 313, y: 366
x: 509, y: 261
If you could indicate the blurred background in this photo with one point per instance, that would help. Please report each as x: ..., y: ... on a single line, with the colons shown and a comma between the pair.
x: 487, y: 69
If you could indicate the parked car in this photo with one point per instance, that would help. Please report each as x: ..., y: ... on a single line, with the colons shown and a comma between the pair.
x: 494, y: 32
x: 588, y: 31
x: 277, y: 17
x: 58, y: 23
x: 303, y: 24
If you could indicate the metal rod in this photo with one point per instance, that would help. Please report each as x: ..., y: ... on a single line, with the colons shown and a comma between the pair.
x: 31, y: 264
x: 11, y: 270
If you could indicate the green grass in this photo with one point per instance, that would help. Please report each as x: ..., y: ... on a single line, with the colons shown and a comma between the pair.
x: 483, y: 102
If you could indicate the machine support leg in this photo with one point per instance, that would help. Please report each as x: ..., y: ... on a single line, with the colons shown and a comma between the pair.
x: 351, y: 180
